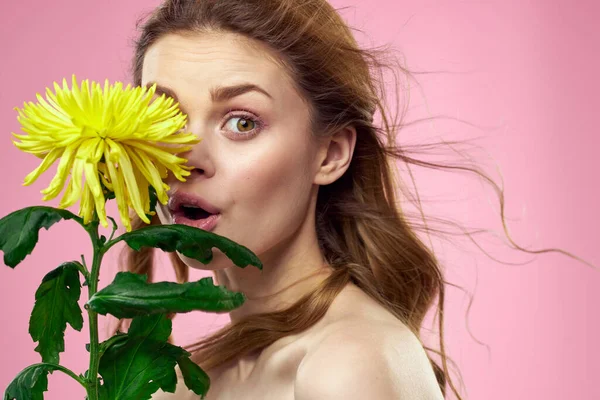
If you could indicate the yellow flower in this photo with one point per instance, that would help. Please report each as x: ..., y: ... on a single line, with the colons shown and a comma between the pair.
x: 108, y: 137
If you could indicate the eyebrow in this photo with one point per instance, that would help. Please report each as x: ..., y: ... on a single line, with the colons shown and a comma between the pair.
x: 217, y: 94
x: 223, y: 93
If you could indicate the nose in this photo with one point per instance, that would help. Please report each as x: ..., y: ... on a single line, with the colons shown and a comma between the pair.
x: 198, y: 157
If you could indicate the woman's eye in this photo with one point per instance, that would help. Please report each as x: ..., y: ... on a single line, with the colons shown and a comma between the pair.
x: 243, y: 125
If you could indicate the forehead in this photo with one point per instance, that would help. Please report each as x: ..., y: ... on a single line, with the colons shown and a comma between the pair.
x: 207, y: 59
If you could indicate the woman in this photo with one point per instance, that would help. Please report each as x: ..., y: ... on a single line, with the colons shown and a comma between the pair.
x: 297, y: 171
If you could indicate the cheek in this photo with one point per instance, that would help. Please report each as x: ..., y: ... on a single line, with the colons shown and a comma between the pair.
x: 274, y: 176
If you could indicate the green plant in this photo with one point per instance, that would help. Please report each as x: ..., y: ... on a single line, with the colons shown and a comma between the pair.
x: 135, y: 364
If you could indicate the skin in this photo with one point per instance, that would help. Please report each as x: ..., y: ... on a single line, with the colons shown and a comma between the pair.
x: 265, y: 184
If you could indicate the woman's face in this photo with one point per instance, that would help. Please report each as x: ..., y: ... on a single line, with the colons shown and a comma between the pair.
x: 256, y: 162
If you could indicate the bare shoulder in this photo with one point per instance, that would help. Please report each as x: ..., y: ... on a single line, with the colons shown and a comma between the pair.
x: 361, y: 359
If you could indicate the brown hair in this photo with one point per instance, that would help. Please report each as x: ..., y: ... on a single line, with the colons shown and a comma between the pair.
x: 363, y: 233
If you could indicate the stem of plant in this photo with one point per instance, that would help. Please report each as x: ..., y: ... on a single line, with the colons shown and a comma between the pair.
x: 114, y: 229
x: 92, y: 378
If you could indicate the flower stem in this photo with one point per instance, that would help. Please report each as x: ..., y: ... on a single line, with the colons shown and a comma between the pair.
x: 92, y: 377
x: 114, y: 229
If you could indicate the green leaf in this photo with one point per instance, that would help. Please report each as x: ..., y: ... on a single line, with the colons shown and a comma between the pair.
x: 191, y: 242
x: 19, y: 230
x: 56, y: 304
x: 30, y: 383
x: 194, y: 377
x: 129, y: 295
x: 144, y: 363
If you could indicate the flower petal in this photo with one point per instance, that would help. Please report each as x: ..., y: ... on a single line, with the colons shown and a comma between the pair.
x: 73, y: 192
x: 150, y: 172
x: 93, y: 183
x: 86, y: 206
x: 65, y: 165
x: 48, y: 161
x: 170, y: 161
x: 119, y: 190
x: 144, y: 194
x: 133, y: 187
x: 104, y: 176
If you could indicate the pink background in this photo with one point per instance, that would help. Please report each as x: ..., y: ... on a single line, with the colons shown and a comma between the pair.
x: 524, y: 72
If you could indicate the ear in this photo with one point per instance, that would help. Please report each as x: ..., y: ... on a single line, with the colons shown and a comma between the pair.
x: 335, y: 155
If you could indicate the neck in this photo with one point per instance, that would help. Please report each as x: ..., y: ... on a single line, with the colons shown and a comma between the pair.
x: 290, y: 270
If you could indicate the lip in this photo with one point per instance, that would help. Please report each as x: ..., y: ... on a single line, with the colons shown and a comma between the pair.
x: 178, y: 199
x: 207, y: 224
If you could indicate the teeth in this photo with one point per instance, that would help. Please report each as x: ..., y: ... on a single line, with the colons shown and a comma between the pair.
x: 188, y: 206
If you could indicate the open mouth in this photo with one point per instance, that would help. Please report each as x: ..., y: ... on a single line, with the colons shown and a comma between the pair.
x: 192, y: 210
x: 196, y: 217
x: 194, y: 213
